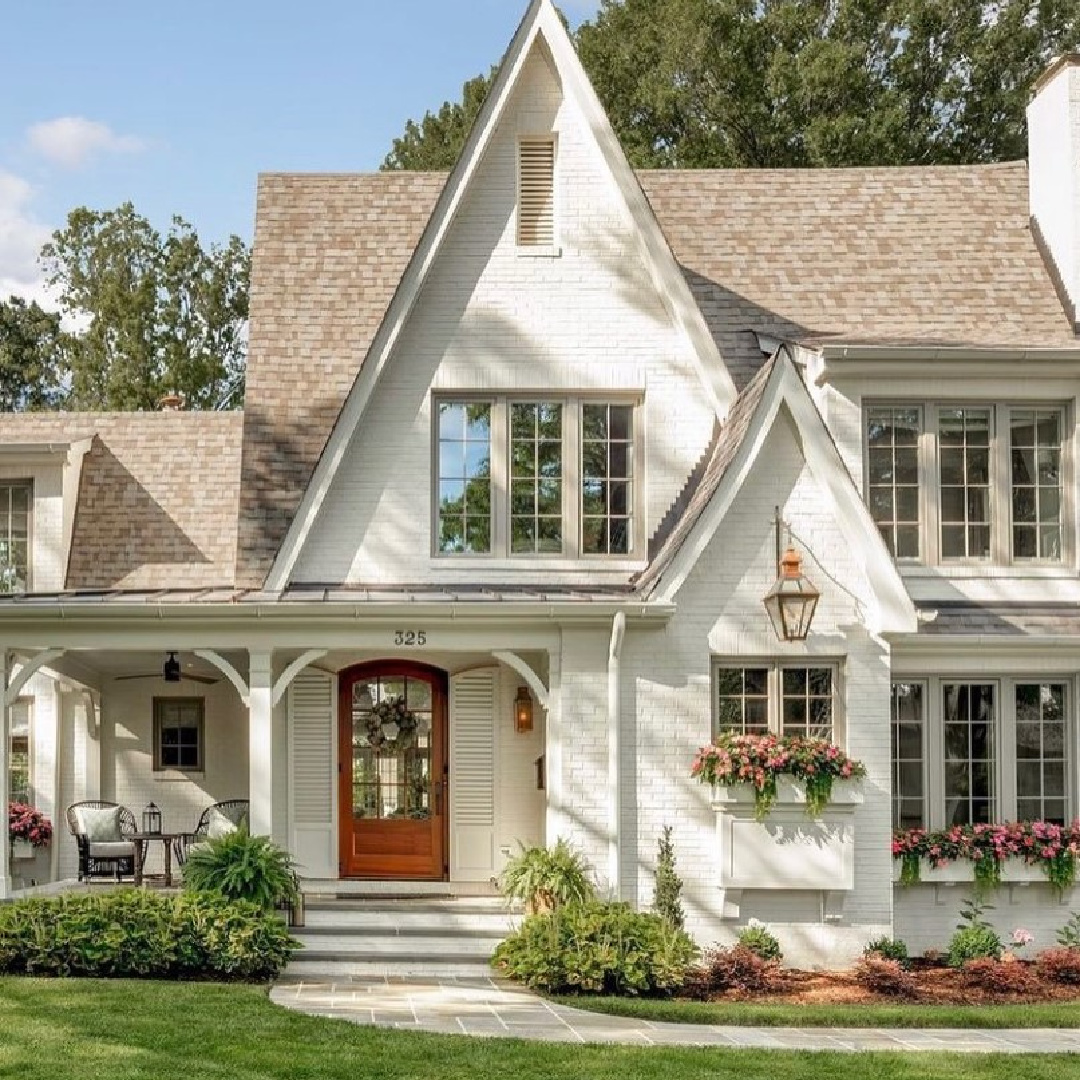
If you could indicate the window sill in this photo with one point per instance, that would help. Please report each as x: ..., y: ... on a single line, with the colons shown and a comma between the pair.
x: 528, y: 564
x: 975, y: 571
x: 526, y: 252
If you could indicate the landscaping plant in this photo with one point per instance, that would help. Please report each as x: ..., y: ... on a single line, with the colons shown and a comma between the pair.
x: 975, y: 938
x: 889, y: 949
x: 239, y: 866
x: 1059, y: 966
x: 738, y: 971
x: 544, y: 879
x: 1001, y: 976
x: 1068, y: 937
x: 133, y: 933
x: 760, y: 760
x: 756, y: 937
x: 884, y: 975
x: 594, y: 947
x: 667, y: 900
x: 28, y: 824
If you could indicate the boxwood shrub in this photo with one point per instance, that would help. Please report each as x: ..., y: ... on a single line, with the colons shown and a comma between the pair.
x: 597, y: 948
x: 132, y: 933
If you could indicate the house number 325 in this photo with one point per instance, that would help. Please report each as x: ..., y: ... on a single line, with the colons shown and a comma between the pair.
x: 410, y: 637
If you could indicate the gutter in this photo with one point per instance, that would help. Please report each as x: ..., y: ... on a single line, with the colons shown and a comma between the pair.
x: 618, y: 633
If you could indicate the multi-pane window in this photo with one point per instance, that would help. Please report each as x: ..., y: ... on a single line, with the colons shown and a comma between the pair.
x: 786, y: 699
x: 742, y: 700
x: 15, y: 501
x: 178, y: 734
x: 969, y: 720
x: 536, y: 478
x: 948, y: 483
x: 893, y: 476
x: 607, y: 479
x: 964, y: 472
x: 1040, y: 752
x: 464, y: 518
x: 1035, y: 460
x: 908, y: 723
x: 19, y: 761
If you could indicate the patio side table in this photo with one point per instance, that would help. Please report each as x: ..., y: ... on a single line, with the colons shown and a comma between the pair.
x: 142, y: 845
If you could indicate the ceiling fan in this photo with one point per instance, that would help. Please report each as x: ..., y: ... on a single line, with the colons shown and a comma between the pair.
x: 171, y: 672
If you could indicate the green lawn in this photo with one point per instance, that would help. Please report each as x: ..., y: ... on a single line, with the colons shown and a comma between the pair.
x: 783, y: 1014
x: 83, y: 1030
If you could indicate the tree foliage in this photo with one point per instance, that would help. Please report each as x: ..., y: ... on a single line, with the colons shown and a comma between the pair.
x: 159, y: 314
x: 793, y: 83
x: 32, y: 346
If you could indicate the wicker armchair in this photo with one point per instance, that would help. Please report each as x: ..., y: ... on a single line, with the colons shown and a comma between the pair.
x: 114, y: 859
x: 236, y: 810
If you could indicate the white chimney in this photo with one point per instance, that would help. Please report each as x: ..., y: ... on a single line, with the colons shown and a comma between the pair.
x: 1053, y: 119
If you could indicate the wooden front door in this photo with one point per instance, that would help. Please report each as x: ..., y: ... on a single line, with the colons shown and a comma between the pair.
x: 393, y: 754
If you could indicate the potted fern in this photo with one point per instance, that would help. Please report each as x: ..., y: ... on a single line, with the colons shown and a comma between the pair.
x: 546, y: 878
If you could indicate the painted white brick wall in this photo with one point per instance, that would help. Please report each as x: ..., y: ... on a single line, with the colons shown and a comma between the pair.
x: 491, y: 318
x: 48, y: 558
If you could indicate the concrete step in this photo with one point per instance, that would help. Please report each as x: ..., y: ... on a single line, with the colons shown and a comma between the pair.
x: 319, y: 967
x: 470, y: 905
x: 378, y: 922
x: 334, y: 942
x: 396, y: 889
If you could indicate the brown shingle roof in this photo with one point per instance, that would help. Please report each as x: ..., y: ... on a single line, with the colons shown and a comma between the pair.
x: 915, y: 255
x: 157, y: 499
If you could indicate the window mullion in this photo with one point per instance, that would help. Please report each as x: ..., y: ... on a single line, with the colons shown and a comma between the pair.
x: 500, y: 471
x: 572, y: 478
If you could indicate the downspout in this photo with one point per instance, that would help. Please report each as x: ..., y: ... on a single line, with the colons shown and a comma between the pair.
x: 618, y: 631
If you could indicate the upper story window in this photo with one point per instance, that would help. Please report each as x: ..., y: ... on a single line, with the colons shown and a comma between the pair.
x: 536, y: 193
x: 975, y: 483
x: 553, y: 477
x: 15, y: 503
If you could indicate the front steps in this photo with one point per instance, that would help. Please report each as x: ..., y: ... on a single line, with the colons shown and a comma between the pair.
x: 417, y: 933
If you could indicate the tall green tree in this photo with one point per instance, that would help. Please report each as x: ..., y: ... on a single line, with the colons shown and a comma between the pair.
x: 794, y: 83
x: 32, y: 356
x: 160, y: 314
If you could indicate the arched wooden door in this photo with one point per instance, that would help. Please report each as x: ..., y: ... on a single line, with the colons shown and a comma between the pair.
x: 393, y: 802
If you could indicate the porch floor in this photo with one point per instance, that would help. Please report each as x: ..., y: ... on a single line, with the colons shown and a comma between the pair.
x: 496, y: 1009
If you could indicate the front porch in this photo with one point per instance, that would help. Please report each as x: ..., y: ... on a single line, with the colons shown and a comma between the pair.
x: 271, y: 725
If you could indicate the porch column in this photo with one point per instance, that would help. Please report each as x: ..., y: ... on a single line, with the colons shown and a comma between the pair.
x: 261, y: 743
x: 5, y: 765
x: 555, y: 821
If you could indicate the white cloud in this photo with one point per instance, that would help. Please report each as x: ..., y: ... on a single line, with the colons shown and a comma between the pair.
x: 70, y: 141
x: 21, y: 237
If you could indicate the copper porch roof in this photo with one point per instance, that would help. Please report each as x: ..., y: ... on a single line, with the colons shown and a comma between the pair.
x: 941, y: 256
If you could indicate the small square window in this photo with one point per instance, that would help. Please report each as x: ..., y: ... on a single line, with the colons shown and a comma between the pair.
x: 179, y: 734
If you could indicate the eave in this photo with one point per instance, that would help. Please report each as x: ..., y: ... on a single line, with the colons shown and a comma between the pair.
x: 944, y: 361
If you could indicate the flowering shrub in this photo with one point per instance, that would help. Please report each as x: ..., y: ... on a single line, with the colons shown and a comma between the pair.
x: 1038, y: 843
x: 760, y: 759
x: 29, y: 824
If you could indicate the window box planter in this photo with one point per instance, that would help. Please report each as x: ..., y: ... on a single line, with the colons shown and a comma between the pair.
x: 788, y: 850
x: 22, y: 849
x: 962, y: 872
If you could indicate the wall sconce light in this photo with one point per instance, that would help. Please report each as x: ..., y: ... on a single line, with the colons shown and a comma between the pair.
x: 171, y: 669
x: 792, y: 600
x: 523, y: 711
x: 151, y: 820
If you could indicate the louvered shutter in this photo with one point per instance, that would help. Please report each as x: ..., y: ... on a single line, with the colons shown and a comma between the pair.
x: 536, y: 192
x: 311, y: 759
x: 473, y: 696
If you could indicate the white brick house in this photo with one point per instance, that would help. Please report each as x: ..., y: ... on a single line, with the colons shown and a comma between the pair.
x: 521, y: 431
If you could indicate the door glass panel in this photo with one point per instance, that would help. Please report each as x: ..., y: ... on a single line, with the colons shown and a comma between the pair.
x: 391, y: 749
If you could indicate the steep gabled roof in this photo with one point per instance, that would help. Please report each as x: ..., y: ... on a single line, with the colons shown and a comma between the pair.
x: 157, y: 499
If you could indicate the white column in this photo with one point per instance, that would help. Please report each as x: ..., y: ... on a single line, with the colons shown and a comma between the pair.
x: 261, y: 742
x: 5, y: 753
x: 555, y: 822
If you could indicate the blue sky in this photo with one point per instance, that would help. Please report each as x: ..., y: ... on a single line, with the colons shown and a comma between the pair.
x: 179, y: 106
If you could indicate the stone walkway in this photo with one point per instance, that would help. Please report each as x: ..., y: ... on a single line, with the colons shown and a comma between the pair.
x: 494, y: 1009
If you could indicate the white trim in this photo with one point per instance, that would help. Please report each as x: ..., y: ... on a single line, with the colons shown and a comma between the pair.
x: 27, y: 669
x: 286, y: 677
x: 227, y: 670
x: 536, y: 684
x: 893, y: 611
x: 541, y: 20
x: 614, y: 703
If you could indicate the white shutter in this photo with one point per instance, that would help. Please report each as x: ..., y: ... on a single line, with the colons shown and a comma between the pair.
x: 536, y: 192
x: 473, y: 696
x: 312, y: 771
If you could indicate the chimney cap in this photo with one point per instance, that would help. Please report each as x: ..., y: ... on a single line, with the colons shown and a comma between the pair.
x: 1058, y: 63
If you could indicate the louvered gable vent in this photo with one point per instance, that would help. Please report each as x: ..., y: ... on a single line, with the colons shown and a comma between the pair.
x: 536, y: 190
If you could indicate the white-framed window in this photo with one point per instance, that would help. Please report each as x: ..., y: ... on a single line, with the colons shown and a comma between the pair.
x: 976, y: 750
x: 19, y: 763
x: 179, y: 734
x: 16, y: 501
x: 785, y: 697
x: 536, y: 192
x: 980, y: 482
x: 538, y: 476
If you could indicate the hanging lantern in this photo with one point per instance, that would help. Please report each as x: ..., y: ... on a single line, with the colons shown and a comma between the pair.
x: 171, y: 669
x: 791, y: 602
x: 151, y: 819
x: 523, y: 711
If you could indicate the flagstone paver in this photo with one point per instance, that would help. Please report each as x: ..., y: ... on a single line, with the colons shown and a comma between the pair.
x: 488, y: 1008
